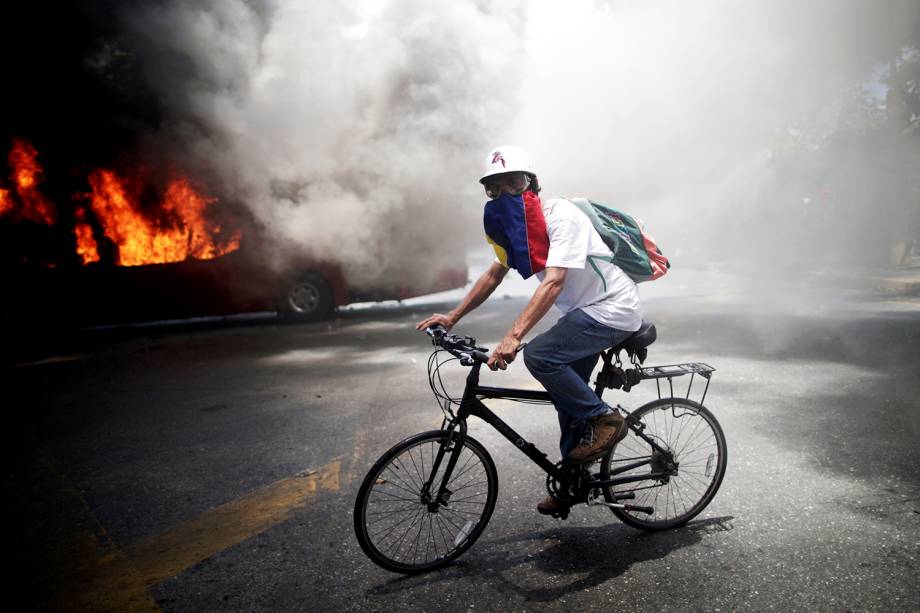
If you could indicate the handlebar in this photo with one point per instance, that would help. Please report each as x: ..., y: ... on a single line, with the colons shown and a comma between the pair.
x: 463, y: 347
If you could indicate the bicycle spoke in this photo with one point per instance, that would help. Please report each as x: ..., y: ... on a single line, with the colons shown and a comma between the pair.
x: 439, y: 523
x: 685, y: 500
x: 402, y: 484
x: 463, y: 469
x: 464, y: 500
x: 472, y: 480
x: 416, y: 541
x: 391, y: 497
x: 690, y: 475
x: 693, y: 435
x: 421, y: 460
x: 668, y: 427
x: 450, y: 521
x: 408, y: 531
x: 684, y: 422
x: 389, y: 513
x: 428, y: 538
x: 398, y: 541
x: 458, y: 512
x: 469, y: 485
x: 389, y: 529
x: 417, y: 470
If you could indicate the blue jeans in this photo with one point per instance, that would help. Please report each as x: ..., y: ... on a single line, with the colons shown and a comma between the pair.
x: 562, y: 359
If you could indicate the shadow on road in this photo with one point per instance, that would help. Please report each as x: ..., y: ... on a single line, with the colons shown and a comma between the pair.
x: 588, y: 555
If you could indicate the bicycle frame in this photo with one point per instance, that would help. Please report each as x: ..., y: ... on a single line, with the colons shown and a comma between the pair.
x: 472, y: 405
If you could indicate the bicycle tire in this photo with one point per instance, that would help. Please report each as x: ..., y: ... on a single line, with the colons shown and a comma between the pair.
x: 700, y: 450
x: 388, y: 508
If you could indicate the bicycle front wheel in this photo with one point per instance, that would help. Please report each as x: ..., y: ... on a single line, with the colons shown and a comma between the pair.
x: 395, y: 523
x: 694, y: 438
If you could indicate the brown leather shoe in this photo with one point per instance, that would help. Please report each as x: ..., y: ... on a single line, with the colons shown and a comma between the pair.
x: 550, y: 505
x: 602, y: 433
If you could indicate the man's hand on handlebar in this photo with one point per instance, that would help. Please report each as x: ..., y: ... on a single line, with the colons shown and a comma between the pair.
x: 445, y: 321
x: 505, y: 353
x: 465, y: 348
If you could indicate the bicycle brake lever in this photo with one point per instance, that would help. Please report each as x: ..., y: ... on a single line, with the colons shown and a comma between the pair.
x: 468, y: 357
x: 436, y: 332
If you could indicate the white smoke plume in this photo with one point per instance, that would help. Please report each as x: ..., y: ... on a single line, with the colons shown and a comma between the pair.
x: 723, y: 124
x: 355, y: 130
x: 352, y: 130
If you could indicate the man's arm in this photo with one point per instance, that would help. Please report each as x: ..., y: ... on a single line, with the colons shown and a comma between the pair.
x: 481, y: 290
x: 539, y: 304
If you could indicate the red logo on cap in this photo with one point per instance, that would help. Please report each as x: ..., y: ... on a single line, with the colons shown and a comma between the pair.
x: 497, y: 157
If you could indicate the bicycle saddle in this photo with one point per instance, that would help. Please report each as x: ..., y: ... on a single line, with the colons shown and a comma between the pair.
x: 637, y: 343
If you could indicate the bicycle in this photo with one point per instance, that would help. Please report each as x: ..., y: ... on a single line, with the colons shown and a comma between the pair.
x: 427, y: 499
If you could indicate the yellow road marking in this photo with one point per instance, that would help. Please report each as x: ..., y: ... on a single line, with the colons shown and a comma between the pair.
x: 167, y: 554
x: 83, y: 570
x: 356, y: 466
x: 65, y: 544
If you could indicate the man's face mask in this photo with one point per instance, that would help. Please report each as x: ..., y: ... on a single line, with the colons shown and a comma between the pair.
x: 513, y: 183
x: 515, y: 226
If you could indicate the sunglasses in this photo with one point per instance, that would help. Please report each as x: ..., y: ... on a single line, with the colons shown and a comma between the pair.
x: 513, y: 183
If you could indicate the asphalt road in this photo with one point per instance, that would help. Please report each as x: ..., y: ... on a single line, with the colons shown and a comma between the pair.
x: 213, y: 466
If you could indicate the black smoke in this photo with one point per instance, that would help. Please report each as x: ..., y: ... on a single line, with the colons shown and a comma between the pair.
x: 73, y: 85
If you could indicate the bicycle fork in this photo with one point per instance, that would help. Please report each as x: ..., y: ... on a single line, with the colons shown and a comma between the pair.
x: 453, y: 445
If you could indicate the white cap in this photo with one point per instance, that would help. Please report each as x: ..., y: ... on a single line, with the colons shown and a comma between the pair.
x: 507, y: 158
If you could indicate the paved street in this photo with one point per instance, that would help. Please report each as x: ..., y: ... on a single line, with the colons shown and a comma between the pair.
x: 213, y: 466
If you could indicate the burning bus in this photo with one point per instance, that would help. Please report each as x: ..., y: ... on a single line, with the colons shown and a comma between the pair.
x: 137, y: 245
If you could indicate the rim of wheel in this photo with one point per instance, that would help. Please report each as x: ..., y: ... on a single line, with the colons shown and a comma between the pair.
x: 304, y: 297
x: 398, y: 524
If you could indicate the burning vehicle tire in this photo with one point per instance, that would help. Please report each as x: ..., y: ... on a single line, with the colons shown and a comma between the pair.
x: 308, y: 298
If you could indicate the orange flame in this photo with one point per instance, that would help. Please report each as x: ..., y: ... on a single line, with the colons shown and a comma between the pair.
x: 179, y: 228
x: 27, y: 174
x: 6, y: 202
x: 141, y: 240
x: 86, y: 243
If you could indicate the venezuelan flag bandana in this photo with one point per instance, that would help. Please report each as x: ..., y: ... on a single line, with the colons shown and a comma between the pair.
x: 516, y: 229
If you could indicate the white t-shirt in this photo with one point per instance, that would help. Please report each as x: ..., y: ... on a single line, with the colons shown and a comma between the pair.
x: 592, y: 283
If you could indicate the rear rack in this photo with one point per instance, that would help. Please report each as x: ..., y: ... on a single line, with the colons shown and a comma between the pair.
x: 678, y: 370
x: 614, y: 377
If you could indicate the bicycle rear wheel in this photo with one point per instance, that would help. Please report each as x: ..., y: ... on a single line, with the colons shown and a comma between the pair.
x: 691, y: 433
x: 398, y: 530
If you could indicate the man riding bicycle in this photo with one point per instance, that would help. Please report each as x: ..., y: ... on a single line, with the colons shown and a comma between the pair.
x: 600, y: 304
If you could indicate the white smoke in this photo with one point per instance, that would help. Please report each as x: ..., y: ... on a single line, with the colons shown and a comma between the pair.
x: 354, y: 130
x: 706, y: 119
